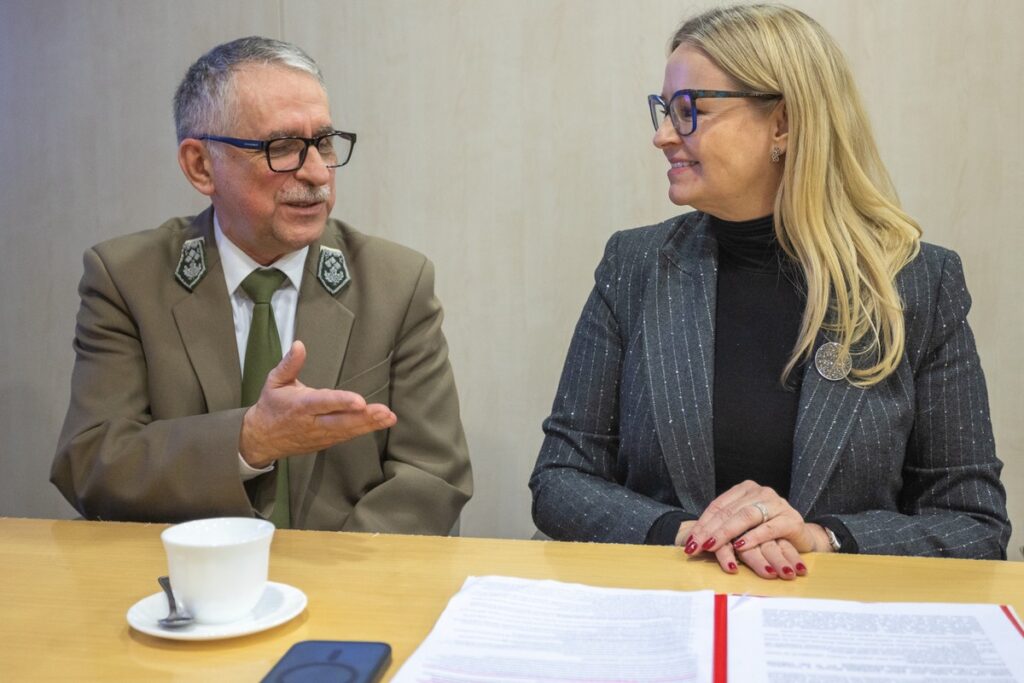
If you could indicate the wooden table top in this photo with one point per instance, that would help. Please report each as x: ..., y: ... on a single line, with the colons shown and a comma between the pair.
x: 65, y: 587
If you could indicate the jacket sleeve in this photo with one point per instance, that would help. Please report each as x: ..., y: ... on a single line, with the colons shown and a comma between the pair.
x: 952, y: 502
x: 114, y: 461
x: 575, y: 492
x: 427, y: 474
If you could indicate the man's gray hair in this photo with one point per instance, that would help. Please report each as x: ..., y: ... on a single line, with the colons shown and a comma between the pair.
x: 202, y: 103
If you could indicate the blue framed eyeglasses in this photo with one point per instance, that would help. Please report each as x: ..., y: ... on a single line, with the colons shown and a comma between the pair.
x: 682, y: 106
x: 286, y: 154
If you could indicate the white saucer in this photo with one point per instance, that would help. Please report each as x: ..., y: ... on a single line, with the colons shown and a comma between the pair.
x: 280, y: 602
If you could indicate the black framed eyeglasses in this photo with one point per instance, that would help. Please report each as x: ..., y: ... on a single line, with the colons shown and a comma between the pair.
x: 286, y: 154
x: 682, y: 106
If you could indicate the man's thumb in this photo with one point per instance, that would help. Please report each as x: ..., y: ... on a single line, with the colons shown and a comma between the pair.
x: 287, y: 371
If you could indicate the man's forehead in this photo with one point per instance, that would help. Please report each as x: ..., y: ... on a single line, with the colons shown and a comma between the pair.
x: 258, y: 78
x: 275, y: 100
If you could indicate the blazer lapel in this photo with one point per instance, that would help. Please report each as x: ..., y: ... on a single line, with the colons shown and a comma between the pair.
x: 323, y: 324
x: 679, y: 340
x: 206, y: 326
x: 826, y: 417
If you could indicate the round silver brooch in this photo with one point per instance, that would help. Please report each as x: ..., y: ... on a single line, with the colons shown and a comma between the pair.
x: 832, y: 362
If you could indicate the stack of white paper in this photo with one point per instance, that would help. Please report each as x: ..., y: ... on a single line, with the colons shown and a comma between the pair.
x: 517, y: 630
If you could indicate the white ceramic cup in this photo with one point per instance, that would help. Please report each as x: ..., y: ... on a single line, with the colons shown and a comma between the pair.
x: 218, y: 566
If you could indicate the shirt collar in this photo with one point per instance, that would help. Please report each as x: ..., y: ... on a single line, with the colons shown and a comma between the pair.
x: 237, y: 264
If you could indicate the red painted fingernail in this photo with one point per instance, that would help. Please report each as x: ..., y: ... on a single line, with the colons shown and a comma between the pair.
x: 787, y: 570
x: 800, y: 567
x: 690, y: 548
x: 689, y: 540
x: 770, y: 569
x: 732, y: 566
x: 709, y: 544
x: 739, y: 544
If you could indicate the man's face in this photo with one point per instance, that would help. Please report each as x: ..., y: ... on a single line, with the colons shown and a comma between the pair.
x: 270, y: 214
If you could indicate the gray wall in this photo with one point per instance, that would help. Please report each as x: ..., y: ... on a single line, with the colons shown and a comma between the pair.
x: 507, y: 140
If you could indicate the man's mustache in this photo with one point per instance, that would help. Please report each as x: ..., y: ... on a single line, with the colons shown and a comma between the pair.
x: 305, y: 195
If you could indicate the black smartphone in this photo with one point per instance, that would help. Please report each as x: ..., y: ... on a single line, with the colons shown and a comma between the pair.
x: 336, y: 661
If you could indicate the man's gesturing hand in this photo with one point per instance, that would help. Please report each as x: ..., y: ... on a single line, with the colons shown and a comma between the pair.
x: 291, y: 418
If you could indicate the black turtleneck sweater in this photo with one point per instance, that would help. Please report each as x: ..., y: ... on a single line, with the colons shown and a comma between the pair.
x: 757, y: 318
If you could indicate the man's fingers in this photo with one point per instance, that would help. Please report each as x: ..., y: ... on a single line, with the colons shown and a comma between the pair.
x: 348, y: 425
x: 292, y: 418
x: 314, y: 402
x: 381, y: 413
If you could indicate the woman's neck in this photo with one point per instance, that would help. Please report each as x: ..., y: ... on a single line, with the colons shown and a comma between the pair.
x: 749, y: 244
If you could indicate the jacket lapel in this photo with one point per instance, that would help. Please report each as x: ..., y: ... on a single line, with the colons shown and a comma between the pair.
x: 205, y: 323
x: 323, y: 324
x: 826, y: 417
x: 679, y: 339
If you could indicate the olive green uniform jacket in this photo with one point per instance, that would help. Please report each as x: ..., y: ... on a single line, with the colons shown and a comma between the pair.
x: 153, y: 425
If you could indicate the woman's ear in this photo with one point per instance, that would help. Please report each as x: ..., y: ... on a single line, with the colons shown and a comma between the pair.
x: 195, y: 162
x: 780, y: 126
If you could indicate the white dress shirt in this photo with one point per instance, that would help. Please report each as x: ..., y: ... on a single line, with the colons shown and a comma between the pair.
x: 237, y: 265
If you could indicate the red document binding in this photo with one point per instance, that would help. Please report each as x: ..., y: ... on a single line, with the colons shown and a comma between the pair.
x: 1013, y: 619
x: 720, y: 664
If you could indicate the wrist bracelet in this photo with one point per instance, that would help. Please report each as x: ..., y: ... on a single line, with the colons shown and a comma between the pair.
x: 832, y: 540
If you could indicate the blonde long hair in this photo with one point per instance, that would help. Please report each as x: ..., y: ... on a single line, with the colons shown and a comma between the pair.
x: 836, y: 212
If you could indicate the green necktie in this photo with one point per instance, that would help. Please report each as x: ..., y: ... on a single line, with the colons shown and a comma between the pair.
x: 262, y: 353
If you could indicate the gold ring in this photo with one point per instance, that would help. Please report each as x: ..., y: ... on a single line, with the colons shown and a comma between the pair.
x: 763, y: 509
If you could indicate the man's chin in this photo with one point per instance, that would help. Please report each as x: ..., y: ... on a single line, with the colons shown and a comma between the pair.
x: 297, y: 235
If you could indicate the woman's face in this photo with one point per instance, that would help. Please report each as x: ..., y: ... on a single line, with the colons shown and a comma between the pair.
x: 724, y: 167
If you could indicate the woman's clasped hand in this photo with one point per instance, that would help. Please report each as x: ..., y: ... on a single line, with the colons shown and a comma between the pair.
x: 753, y: 524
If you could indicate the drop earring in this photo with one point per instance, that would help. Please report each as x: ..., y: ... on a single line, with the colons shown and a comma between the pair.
x: 776, y: 155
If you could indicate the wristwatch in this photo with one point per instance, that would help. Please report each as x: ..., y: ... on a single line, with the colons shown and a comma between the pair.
x: 832, y: 540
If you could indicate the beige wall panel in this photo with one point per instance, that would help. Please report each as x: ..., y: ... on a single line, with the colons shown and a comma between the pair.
x: 506, y: 140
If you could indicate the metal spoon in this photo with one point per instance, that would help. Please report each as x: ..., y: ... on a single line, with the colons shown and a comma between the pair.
x: 178, y: 617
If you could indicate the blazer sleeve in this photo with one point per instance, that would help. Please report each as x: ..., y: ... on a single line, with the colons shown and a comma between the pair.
x: 427, y: 474
x: 114, y: 461
x: 575, y: 492
x: 952, y: 502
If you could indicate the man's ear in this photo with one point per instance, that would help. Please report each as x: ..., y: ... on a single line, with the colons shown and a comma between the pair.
x: 196, y: 164
x: 780, y: 131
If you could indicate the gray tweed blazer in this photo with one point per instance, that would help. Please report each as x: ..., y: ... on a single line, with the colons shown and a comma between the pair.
x: 908, y: 465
